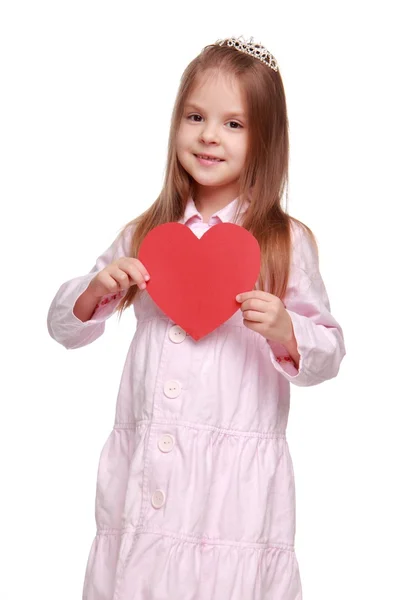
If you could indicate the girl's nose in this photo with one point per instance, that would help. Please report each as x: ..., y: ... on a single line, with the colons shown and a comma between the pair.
x: 209, y: 134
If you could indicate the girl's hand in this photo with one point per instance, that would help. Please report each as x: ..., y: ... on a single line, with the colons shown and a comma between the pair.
x: 266, y: 314
x: 118, y: 276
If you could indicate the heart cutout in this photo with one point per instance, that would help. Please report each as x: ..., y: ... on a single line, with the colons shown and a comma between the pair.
x: 195, y: 281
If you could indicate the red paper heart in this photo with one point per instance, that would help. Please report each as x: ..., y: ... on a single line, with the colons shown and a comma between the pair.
x: 195, y: 281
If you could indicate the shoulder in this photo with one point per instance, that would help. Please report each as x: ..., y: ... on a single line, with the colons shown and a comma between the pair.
x: 304, y: 245
x: 125, y: 237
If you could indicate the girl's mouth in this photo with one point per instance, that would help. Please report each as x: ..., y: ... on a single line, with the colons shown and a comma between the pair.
x: 207, y: 161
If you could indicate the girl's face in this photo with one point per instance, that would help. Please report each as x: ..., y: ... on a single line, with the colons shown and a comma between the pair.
x: 214, y: 122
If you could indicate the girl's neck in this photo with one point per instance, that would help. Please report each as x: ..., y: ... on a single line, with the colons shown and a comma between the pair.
x: 210, y: 203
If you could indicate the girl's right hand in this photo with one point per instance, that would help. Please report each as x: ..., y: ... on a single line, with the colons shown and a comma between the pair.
x: 118, y: 276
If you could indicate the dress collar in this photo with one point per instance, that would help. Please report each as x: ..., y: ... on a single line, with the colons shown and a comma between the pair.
x: 225, y: 214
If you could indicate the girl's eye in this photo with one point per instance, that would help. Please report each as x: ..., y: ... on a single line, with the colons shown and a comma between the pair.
x: 238, y: 124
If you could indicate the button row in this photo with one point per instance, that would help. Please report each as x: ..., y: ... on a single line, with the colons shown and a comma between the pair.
x: 165, y: 443
x: 172, y: 389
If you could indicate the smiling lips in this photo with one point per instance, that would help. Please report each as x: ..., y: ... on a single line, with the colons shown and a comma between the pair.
x: 206, y: 158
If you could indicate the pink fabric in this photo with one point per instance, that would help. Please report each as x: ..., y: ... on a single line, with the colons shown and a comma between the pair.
x: 203, y: 422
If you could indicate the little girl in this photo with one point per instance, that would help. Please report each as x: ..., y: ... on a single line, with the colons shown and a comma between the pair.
x: 195, y: 494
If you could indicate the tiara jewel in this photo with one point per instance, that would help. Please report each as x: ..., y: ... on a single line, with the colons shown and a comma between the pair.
x: 256, y: 50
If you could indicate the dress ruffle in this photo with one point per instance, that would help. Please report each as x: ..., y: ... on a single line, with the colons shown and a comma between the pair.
x: 162, y: 567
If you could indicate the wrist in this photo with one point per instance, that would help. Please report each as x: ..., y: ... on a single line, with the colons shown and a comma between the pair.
x: 292, y: 348
x: 90, y: 292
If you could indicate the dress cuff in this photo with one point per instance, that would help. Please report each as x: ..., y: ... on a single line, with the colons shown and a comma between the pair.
x: 313, y: 346
x: 65, y: 327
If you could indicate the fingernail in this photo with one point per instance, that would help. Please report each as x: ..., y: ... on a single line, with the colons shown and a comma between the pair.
x: 147, y: 277
x: 238, y: 297
x: 142, y: 286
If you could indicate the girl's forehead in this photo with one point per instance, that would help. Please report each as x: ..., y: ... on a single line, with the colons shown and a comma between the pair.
x: 213, y: 77
x: 216, y: 86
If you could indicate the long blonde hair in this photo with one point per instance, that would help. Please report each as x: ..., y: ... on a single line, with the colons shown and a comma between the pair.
x: 265, y: 174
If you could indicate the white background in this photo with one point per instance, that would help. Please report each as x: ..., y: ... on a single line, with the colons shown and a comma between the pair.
x: 87, y: 90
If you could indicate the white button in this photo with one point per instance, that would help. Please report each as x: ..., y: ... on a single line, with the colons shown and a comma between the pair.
x: 172, y: 388
x: 158, y: 499
x: 176, y: 334
x: 166, y: 443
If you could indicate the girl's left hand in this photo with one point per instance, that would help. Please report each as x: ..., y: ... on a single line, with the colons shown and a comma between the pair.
x: 266, y: 314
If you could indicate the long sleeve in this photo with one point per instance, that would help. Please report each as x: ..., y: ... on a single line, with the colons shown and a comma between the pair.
x: 63, y: 325
x: 319, y: 336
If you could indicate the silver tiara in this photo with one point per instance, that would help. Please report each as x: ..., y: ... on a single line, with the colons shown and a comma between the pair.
x: 256, y: 50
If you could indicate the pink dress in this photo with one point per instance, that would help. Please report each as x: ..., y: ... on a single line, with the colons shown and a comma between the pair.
x: 195, y: 492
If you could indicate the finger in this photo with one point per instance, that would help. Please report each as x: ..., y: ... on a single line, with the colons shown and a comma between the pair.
x: 254, y: 304
x: 254, y: 326
x: 254, y: 294
x: 253, y: 315
x: 142, y: 269
x: 135, y: 269
x: 137, y: 276
x: 123, y: 278
x: 110, y: 283
x: 132, y: 271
